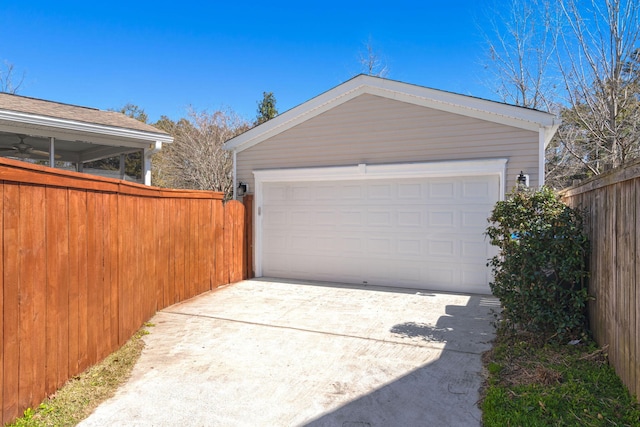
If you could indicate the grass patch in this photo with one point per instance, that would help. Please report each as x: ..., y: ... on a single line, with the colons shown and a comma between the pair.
x: 534, y: 384
x: 82, y: 394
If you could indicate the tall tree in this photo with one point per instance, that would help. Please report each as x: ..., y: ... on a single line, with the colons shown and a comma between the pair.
x: 600, y: 73
x: 196, y: 158
x: 266, y: 108
x: 521, y: 42
x: 578, y: 58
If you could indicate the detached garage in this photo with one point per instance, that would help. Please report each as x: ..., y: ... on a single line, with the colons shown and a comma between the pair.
x: 384, y: 183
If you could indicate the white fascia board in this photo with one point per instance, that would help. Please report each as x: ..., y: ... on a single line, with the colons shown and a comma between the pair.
x: 542, y: 136
x: 66, y: 124
x: 482, y: 109
x: 234, y: 174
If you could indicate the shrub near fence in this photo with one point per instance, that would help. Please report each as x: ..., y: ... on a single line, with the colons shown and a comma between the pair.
x: 611, y: 204
x: 87, y: 260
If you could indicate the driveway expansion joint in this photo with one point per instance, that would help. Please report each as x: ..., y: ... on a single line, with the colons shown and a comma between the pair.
x: 225, y: 319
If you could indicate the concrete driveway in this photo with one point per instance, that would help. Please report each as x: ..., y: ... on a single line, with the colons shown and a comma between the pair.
x: 277, y: 353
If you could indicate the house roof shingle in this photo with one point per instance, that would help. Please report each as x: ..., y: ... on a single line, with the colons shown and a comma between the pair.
x: 40, y: 107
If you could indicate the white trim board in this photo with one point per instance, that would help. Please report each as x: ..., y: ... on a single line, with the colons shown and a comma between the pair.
x: 368, y: 172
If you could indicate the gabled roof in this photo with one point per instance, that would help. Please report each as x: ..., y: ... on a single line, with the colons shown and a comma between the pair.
x: 35, y: 111
x: 510, y: 115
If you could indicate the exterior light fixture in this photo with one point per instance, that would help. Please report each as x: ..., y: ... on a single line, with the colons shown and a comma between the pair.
x: 522, y: 181
x: 243, y: 188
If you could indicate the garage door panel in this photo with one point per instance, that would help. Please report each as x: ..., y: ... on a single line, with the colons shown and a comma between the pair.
x: 473, y: 219
x: 379, y: 192
x: 351, y: 245
x: 378, y: 218
x: 438, y: 275
x: 275, y: 217
x: 325, y: 193
x: 350, y: 218
x: 410, y: 247
x: 441, y: 218
x: 474, y: 250
x: 275, y: 193
x: 379, y: 273
x: 441, y: 248
x: 380, y: 246
x: 325, y: 217
x: 349, y: 192
x: 277, y: 243
x: 476, y: 190
x: 409, y: 273
x: 409, y: 218
x: 441, y: 190
x: 301, y: 217
x: 410, y: 192
x: 420, y: 233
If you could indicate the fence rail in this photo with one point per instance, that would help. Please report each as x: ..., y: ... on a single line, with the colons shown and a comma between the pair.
x: 612, y: 209
x: 87, y: 260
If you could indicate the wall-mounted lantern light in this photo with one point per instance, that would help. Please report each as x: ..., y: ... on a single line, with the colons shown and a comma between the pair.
x: 522, y: 181
x: 243, y: 188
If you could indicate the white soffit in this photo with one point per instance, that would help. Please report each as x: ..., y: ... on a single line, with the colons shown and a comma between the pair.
x: 482, y: 109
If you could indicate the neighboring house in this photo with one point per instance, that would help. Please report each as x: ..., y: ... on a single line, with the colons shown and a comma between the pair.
x: 36, y: 129
x: 385, y: 183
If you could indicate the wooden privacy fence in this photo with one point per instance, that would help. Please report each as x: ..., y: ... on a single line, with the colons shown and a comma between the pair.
x: 612, y: 211
x: 87, y: 260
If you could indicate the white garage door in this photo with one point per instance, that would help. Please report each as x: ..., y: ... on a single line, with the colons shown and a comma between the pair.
x: 422, y: 233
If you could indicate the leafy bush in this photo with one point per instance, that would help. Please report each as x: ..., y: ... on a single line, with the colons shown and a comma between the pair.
x: 540, y: 272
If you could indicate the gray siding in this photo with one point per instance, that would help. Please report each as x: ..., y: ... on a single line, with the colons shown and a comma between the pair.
x: 375, y: 130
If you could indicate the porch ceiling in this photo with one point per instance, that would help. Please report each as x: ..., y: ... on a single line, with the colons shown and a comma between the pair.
x: 74, y: 151
x: 80, y: 134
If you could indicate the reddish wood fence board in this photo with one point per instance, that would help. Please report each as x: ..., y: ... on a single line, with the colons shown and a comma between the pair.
x: 2, y: 311
x: 86, y: 261
x: 611, y: 204
x: 11, y: 314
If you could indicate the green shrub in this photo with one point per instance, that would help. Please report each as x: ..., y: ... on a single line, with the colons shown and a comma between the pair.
x: 540, y: 272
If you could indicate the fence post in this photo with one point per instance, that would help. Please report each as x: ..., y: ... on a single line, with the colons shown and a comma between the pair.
x: 249, y: 273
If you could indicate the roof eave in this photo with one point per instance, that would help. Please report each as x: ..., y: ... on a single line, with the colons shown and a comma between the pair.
x: 483, y: 109
x: 59, y: 123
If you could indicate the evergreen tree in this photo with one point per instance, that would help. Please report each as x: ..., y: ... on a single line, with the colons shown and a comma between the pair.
x: 266, y: 108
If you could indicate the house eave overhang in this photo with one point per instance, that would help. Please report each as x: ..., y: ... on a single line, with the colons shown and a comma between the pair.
x: 65, y: 125
x: 509, y: 115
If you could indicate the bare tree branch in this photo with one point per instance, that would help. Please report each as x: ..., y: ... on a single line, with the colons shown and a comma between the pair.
x: 371, y: 62
x: 597, y: 63
x: 520, y: 50
x: 196, y: 158
x: 9, y: 83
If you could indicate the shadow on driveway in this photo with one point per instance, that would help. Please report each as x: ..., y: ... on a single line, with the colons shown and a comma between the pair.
x: 439, y: 393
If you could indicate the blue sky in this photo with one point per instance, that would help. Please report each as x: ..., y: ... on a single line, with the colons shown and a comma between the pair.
x: 167, y: 56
